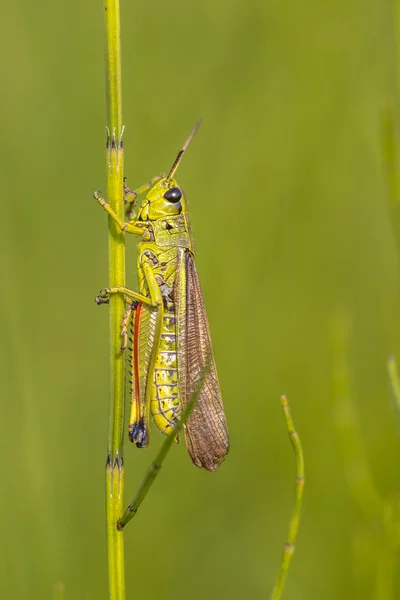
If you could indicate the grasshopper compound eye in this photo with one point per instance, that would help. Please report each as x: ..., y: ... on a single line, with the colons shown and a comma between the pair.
x: 173, y: 195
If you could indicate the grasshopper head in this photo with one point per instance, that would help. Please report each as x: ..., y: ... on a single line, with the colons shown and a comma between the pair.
x: 165, y: 199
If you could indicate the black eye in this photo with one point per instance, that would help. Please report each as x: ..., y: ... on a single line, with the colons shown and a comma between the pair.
x: 173, y: 195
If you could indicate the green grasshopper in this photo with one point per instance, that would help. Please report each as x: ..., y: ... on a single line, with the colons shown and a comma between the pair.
x: 170, y: 344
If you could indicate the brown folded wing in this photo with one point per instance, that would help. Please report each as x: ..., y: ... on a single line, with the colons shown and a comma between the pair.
x: 206, y: 431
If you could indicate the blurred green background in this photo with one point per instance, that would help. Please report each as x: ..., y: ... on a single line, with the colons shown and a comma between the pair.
x: 287, y: 191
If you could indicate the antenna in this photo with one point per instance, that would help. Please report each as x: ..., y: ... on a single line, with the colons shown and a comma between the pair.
x: 185, y: 147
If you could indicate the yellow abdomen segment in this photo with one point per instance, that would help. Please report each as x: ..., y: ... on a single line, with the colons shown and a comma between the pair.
x: 165, y: 401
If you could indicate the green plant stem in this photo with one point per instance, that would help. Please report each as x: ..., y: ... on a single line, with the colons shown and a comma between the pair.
x: 295, y: 518
x: 156, y: 465
x: 115, y: 546
x: 384, y: 516
x: 394, y: 382
x: 391, y: 165
x: 114, y: 174
x: 390, y: 143
x: 346, y: 421
x: 59, y: 591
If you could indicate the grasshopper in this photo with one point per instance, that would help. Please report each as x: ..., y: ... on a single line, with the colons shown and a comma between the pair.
x: 170, y: 344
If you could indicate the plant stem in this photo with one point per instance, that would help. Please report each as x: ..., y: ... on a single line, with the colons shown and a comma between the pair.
x: 295, y: 518
x: 59, y: 591
x: 391, y: 164
x: 114, y: 174
x: 390, y: 138
x: 356, y: 467
x: 383, y: 515
x: 394, y: 382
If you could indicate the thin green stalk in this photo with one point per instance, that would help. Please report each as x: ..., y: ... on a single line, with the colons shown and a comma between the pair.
x: 59, y: 591
x: 384, y: 516
x: 114, y: 175
x: 295, y: 518
x: 394, y: 381
x: 397, y: 42
x: 156, y: 465
x: 390, y: 143
x: 392, y: 165
x: 355, y: 462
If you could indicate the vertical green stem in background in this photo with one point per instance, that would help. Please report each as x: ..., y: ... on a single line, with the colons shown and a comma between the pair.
x: 59, y: 591
x: 114, y: 173
x: 394, y: 382
x: 391, y: 164
x: 397, y: 42
x: 390, y: 144
x: 383, y: 515
x: 295, y: 518
x: 355, y: 462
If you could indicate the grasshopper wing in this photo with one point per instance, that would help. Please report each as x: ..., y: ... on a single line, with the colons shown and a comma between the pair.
x: 206, y: 431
